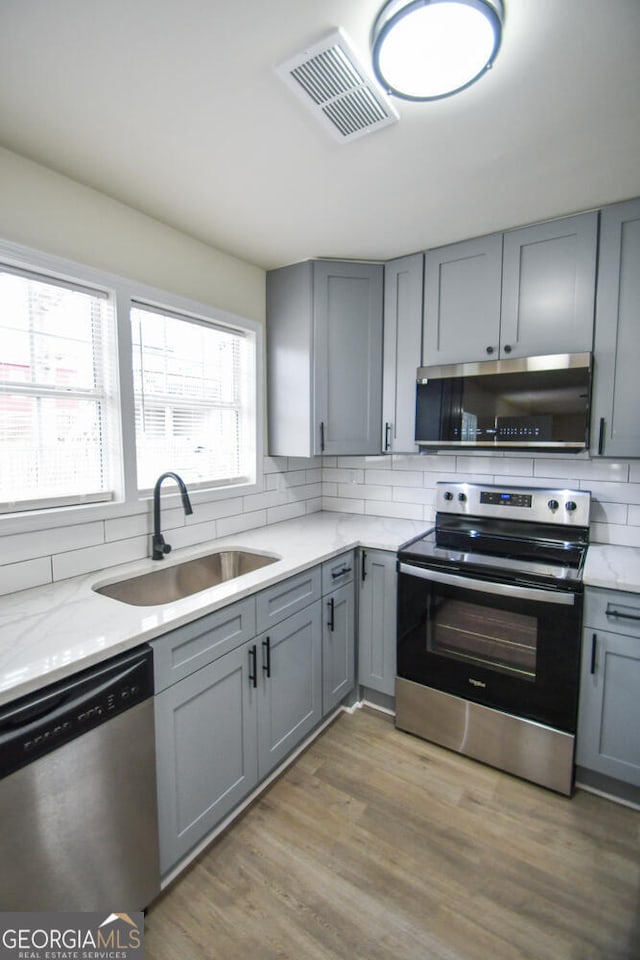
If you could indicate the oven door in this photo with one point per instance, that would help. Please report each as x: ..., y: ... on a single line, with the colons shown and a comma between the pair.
x: 509, y: 646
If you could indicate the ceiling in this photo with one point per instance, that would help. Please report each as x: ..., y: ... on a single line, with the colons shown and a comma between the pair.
x: 174, y: 107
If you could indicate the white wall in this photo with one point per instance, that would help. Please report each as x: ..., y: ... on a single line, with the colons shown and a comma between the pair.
x: 44, y: 210
x: 404, y: 486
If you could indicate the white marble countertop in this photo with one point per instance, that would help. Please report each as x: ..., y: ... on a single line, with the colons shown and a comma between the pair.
x: 612, y: 567
x: 50, y: 632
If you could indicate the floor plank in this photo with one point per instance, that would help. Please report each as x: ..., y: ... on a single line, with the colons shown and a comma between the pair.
x: 378, y: 845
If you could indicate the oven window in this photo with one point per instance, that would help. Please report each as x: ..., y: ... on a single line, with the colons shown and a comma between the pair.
x: 497, y: 639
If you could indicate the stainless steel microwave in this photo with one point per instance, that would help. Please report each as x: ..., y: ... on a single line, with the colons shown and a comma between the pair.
x: 532, y: 403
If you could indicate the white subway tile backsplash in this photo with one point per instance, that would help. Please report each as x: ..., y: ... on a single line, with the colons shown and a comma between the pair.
x: 401, y: 485
x: 213, y: 510
x: 339, y: 505
x: 395, y: 478
x: 77, y: 562
x: 22, y: 576
x: 228, y: 526
x: 402, y: 511
x: 294, y: 478
x: 341, y: 475
x: 287, y: 512
x: 496, y: 465
x: 623, y: 536
x: 364, y: 491
x: 193, y: 534
x: 602, y: 512
x: 423, y: 495
x: 27, y: 546
x: 612, y: 471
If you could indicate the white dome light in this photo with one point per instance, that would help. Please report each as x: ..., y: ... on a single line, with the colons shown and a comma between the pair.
x: 427, y: 49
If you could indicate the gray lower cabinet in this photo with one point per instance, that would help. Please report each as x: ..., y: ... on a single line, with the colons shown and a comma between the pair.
x: 377, y: 621
x: 289, y: 685
x: 609, y: 713
x: 403, y: 284
x: 616, y: 386
x: 324, y: 358
x: 338, y: 653
x: 207, y: 752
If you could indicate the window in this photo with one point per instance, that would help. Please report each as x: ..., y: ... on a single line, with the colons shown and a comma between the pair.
x: 194, y: 390
x: 58, y: 416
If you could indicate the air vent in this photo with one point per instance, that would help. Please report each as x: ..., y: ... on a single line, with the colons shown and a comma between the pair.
x: 330, y: 80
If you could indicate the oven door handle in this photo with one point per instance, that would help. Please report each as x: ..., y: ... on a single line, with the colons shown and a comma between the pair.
x: 484, y: 586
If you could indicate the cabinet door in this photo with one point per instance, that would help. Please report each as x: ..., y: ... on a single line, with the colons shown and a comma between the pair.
x: 289, y: 685
x: 403, y: 283
x: 462, y: 302
x: 609, y: 713
x: 206, y: 751
x: 347, y: 357
x: 377, y: 621
x: 548, y: 287
x: 616, y: 385
x: 338, y: 646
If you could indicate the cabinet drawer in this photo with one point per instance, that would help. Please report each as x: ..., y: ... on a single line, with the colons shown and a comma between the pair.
x: 337, y: 572
x: 286, y: 598
x: 181, y: 652
x: 612, y: 610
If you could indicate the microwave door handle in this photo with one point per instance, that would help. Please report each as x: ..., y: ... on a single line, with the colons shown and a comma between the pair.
x: 484, y: 586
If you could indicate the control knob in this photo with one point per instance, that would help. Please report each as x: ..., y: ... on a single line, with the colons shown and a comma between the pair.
x: 553, y: 504
x: 448, y: 495
x: 570, y: 505
x: 462, y: 497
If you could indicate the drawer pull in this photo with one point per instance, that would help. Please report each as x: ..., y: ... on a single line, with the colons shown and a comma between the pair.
x: 619, y: 615
x: 340, y: 573
x: 594, y: 647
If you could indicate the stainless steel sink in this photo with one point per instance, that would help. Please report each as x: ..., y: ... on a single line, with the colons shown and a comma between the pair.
x: 183, y: 579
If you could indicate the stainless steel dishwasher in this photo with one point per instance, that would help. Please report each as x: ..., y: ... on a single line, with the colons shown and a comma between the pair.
x: 78, y: 814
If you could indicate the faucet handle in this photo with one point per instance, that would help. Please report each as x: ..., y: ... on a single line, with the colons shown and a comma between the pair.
x: 159, y: 547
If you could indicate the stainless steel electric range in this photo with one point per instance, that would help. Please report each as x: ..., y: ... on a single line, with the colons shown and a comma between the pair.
x: 489, y: 620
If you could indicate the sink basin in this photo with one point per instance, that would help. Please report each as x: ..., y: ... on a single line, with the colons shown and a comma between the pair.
x: 183, y: 579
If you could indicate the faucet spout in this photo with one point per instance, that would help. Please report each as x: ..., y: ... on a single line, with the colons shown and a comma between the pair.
x: 158, y: 545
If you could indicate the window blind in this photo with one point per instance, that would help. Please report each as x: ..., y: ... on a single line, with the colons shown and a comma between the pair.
x: 194, y: 390
x: 58, y: 435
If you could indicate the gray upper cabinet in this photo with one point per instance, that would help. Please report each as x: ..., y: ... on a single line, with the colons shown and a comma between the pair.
x: 616, y: 385
x: 548, y: 287
x: 524, y: 293
x: 324, y: 355
x: 462, y: 302
x: 403, y: 283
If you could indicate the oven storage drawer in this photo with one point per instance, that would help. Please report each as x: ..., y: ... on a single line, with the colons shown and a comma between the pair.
x: 612, y: 610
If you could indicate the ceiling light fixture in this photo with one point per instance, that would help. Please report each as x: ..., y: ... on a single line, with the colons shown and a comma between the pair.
x: 429, y: 49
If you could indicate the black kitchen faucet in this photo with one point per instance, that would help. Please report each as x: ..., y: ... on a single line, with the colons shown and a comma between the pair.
x: 158, y: 545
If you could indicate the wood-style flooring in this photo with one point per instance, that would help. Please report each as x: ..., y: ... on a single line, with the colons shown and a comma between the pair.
x: 375, y: 845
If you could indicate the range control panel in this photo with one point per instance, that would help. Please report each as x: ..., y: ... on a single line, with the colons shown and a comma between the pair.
x: 537, y: 504
x: 506, y: 498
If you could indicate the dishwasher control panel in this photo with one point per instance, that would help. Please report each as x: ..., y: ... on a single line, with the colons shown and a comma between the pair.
x: 45, y: 720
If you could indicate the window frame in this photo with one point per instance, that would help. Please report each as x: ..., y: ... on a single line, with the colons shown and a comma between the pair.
x: 125, y: 293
